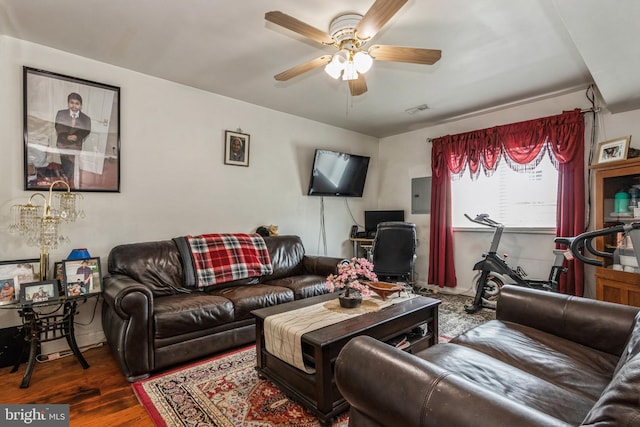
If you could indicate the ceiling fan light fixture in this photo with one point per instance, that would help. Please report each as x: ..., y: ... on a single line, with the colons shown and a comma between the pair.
x: 350, y: 72
x: 333, y: 69
x: 362, y: 62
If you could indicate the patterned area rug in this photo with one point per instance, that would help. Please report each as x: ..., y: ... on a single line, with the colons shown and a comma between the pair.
x: 226, y: 392
x: 452, y: 318
x: 222, y: 392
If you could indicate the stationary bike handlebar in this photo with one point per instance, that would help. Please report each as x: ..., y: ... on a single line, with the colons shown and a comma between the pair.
x: 585, y: 240
x: 483, y: 219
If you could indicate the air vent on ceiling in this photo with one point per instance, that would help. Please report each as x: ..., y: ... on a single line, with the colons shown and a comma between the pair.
x: 417, y: 109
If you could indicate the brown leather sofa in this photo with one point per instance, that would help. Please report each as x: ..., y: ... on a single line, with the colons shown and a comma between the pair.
x: 153, y: 321
x: 547, y: 360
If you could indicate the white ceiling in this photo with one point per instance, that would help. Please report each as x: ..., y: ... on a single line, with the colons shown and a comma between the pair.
x: 494, y: 52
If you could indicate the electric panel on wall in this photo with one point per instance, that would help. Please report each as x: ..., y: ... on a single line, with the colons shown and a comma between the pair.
x: 421, y: 195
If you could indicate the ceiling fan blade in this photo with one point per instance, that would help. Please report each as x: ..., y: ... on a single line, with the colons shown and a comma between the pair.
x: 413, y: 55
x: 377, y: 15
x: 299, y: 27
x: 359, y: 86
x: 303, y: 68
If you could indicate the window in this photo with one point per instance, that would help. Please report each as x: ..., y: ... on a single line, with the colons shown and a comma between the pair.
x: 516, y: 199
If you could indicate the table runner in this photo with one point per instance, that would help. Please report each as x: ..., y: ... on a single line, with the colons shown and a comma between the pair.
x: 283, y: 332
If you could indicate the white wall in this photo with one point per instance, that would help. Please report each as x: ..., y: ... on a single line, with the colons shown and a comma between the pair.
x: 408, y: 155
x: 174, y: 181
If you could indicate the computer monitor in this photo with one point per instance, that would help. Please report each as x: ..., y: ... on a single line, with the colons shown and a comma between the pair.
x: 373, y: 218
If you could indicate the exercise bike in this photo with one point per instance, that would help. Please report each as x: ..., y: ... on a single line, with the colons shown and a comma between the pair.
x: 494, y: 270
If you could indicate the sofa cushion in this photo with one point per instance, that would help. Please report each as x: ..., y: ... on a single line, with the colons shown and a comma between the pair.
x: 506, y: 380
x: 189, y: 312
x: 156, y: 264
x: 287, y: 253
x: 570, y: 365
x: 302, y: 286
x: 619, y: 404
x: 252, y: 297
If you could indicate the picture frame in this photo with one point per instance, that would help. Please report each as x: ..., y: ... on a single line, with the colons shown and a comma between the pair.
x: 8, y: 291
x: 236, y: 148
x: 613, y: 150
x: 36, y: 292
x: 17, y: 273
x: 83, y: 151
x: 81, y: 277
x: 59, y: 276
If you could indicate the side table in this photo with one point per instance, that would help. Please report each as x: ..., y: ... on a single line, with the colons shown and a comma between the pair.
x: 39, y: 328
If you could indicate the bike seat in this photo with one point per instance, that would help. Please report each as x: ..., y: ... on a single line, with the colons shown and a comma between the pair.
x: 565, y: 241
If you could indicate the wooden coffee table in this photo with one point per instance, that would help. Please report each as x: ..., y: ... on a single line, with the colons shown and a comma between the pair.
x: 320, y: 348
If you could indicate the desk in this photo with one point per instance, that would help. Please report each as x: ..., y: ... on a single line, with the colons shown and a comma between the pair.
x: 40, y: 328
x: 362, y: 243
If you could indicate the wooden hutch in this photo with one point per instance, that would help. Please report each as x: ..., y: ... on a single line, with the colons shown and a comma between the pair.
x: 612, y: 285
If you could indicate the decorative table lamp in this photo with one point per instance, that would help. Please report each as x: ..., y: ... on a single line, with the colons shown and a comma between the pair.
x: 40, y: 224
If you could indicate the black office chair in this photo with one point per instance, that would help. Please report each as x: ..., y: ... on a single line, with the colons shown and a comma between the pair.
x: 394, y: 251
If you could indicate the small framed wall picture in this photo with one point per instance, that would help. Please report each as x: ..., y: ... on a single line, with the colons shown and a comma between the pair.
x: 236, y: 148
x: 81, y: 277
x: 613, y: 150
x: 39, y: 291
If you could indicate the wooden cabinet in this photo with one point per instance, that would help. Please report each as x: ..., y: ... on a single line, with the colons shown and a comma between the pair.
x: 616, y: 286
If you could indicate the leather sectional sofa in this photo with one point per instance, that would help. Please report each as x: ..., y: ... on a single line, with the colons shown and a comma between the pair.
x: 547, y: 360
x: 152, y: 320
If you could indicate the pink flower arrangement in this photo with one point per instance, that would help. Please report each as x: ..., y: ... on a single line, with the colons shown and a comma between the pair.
x: 352, y: 274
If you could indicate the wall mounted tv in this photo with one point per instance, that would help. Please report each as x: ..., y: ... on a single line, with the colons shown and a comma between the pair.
x: 338, y: 174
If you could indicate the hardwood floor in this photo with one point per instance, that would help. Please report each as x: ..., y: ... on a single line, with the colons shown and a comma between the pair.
x: 98, y: 396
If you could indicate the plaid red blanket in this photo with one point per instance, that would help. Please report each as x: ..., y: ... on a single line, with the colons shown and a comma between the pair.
x: 220, y: 258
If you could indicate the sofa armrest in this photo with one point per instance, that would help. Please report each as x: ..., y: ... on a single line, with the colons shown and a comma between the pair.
x: 596, y: 324
x: 117, y: 287
x: 127, y: 320
x: 321, y: 265
x: 396, y: 388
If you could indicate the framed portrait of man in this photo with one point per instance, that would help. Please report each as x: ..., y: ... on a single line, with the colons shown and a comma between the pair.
x: 236, y: 148
x: 71, y: 132
x: 81, y: 277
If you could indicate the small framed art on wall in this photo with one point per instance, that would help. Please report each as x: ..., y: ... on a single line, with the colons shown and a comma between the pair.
x: 236, y: 148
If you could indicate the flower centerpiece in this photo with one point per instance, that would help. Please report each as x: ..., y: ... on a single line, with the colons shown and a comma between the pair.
x: 353, y: 275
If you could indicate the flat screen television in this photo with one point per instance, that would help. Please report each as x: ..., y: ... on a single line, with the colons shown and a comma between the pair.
x: 373, y: 218
x: 338, y: 174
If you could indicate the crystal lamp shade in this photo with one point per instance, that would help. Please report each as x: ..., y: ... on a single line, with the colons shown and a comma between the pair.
x: 40, y: 224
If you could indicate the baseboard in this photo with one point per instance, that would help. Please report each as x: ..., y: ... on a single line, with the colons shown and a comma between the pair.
x: 83, y: 340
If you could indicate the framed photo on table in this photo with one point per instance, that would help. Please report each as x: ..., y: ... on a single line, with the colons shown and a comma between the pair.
x: 39, y: 291
x: 13, y: 274
x: 236, y: 148
x: 71, y: 132
x: 613, y: 150
x: 81, y: 277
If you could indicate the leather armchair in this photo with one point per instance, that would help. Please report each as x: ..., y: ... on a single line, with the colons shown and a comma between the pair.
x: 547, y: 360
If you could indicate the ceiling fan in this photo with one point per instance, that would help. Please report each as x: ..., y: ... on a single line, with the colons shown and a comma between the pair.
x: 349, y: 33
